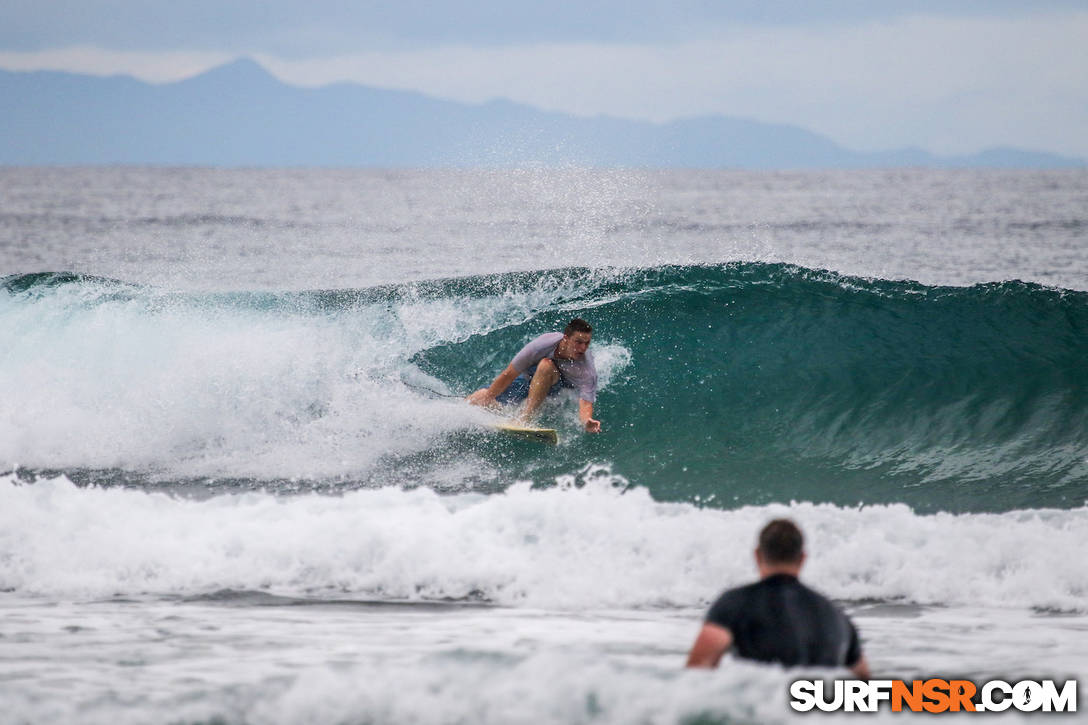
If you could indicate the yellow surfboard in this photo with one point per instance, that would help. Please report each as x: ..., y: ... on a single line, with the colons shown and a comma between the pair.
x: 528, y: 432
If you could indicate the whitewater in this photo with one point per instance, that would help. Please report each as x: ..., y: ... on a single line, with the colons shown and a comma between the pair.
x: 239, y: 484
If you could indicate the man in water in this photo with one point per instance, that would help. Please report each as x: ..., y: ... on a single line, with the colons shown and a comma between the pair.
x: 552, y: 361
x: 779, y: 619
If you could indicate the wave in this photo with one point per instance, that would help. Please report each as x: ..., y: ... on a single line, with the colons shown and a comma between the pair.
x: 758, y: 383
x: 726, y: 385
x: 562, y: 547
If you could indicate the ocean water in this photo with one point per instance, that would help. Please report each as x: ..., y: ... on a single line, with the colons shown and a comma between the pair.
x: 239, y: 485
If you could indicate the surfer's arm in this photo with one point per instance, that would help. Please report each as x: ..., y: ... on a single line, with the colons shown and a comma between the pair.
x: 486, y: 396
x: 861, y: 668
x: 713, y: 641
x: 585, y: 414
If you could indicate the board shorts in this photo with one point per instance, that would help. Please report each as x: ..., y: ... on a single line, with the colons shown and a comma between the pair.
x: 519, y: 389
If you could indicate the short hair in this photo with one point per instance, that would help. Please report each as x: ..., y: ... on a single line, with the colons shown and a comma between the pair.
x: 577, y: 325
x: 781, y: 542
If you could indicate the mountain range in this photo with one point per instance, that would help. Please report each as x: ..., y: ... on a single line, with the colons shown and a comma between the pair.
x: 240, y: 115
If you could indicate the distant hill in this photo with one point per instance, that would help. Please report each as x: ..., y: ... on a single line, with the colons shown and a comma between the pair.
x: 240, y: 115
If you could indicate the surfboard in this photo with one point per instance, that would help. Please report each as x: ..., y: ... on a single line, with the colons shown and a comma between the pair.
x: 528, y: 432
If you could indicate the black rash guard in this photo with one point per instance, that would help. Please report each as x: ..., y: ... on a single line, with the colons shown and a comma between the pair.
x: 779, y: 619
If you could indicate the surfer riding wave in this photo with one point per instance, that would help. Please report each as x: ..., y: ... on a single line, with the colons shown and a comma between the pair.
x: 546, y: 365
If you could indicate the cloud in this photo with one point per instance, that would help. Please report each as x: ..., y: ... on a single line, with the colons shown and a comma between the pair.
x: 298, y: 29
x: 154, y: 67
x: 947, y: 84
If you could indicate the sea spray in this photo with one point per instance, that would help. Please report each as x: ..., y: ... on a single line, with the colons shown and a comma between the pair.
x: 601, y: 544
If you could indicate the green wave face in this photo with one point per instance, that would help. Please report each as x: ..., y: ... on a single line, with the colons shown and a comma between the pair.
x: 755, y: 383
x: 726, y: 385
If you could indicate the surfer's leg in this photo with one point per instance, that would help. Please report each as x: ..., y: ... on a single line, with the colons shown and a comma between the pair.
x: 546, y: 375
x: 516, y: 392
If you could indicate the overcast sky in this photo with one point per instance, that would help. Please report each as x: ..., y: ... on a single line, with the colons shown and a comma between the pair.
x: 952, y: 77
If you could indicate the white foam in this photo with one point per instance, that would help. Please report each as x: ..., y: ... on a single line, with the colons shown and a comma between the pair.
x: 181, y: 387
x: 564, y: 547
x: 544, y: 688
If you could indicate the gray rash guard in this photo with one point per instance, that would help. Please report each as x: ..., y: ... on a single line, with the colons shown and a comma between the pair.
x: 581, y: 374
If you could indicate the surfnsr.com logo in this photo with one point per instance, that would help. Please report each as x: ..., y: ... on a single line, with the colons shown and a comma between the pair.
x: 933, y: 696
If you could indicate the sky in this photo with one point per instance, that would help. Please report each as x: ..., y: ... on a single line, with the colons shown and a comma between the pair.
x: 951, y: 77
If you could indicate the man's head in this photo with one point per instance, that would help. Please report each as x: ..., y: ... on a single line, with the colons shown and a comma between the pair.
x: 781, y: 548
x: 576, y: 337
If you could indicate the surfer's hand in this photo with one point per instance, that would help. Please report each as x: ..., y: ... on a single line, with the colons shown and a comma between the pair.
x: 593, y: 426
x: 481, y: 397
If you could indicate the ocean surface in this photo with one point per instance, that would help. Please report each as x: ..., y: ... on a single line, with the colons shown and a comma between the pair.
x: 238, y: 484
